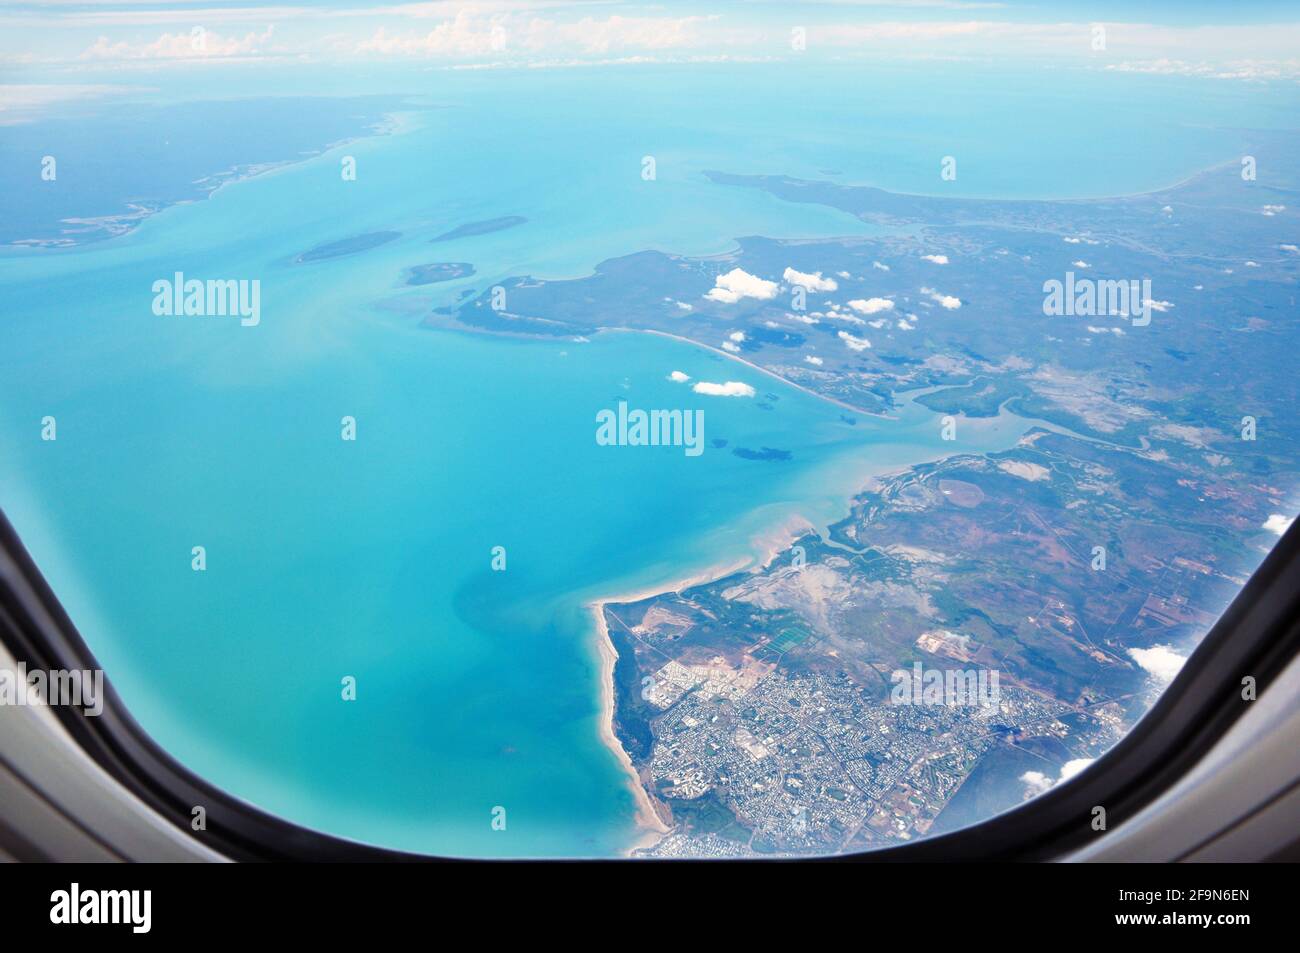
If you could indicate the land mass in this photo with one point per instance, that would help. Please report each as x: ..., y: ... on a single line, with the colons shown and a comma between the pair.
x: 438, y: 271
x: 1081, y: 566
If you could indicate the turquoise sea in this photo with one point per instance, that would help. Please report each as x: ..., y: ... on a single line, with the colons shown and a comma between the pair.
x: 327, y: 558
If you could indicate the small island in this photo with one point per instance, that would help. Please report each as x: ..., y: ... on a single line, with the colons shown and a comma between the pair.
x: 438, y: 271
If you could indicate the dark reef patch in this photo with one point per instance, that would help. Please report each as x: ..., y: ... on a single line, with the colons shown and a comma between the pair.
x: 348, y: 246
x: 767, y: 453
x: 485, y: 227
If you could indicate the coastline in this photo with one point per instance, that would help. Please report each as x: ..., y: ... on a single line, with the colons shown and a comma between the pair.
x: 752, y: 366
x: 648, y: 818
x: 117, y: 224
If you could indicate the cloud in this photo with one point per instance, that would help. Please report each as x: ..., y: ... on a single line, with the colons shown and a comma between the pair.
x: 813, y: 282
x: 729, y: 389
x: 1222, y: 51
x: 1277, y: 523
x: 937, y: 259
x: 198, y: 44
x: 1080, y: 264
x: 879, y: 266
x: 1161, y: 662
x: 21, y: 102
x: 854, y: 343
x: 948, y: 301
x: 679, y: 377
x: 1073, y: 767
x: 737, y: 284
x: 474, y: 32
x: 814, y: 361
x: 837, y: 315
x: 871, y: 305
x: 1254, y: 69
x: 1036, y: 782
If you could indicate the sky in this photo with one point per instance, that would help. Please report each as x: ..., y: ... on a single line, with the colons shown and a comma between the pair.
x: 61, y: 49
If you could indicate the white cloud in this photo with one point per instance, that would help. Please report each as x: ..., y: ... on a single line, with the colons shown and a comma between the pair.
x: 737, y: 336
x: 854, y: 343
x: 1073, y: 767
x: 1230, y: 51
x: 814, y: 361
x: 198, y: 44
x: 729, y: 389
x: 1159, y: 305
x: 1080, y: 264
x: 1251, y: 69
x: 879, y: 266
x: 948, y: 301
x: 737, y: 284
x: 558, y: 30
x: 679, y: 377
x: 476, y: 32
x: 813, y: 282
x: 20, y: 102
x: 871, y: 305
x: 1036, y: 782
x: 1277, y: 523
x: 937, y: 259
x: 1291, y: 248
x: 1161, y: 662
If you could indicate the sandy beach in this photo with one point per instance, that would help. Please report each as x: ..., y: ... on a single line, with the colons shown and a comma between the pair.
x: 648, y: 818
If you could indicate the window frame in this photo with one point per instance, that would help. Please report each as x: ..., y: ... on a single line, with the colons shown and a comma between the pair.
x: 1256, y: 636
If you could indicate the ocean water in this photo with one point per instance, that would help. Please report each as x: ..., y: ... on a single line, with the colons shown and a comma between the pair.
x: 326, y: 558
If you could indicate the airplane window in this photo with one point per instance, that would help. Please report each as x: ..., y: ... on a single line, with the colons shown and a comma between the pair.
x: 666, y: 431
